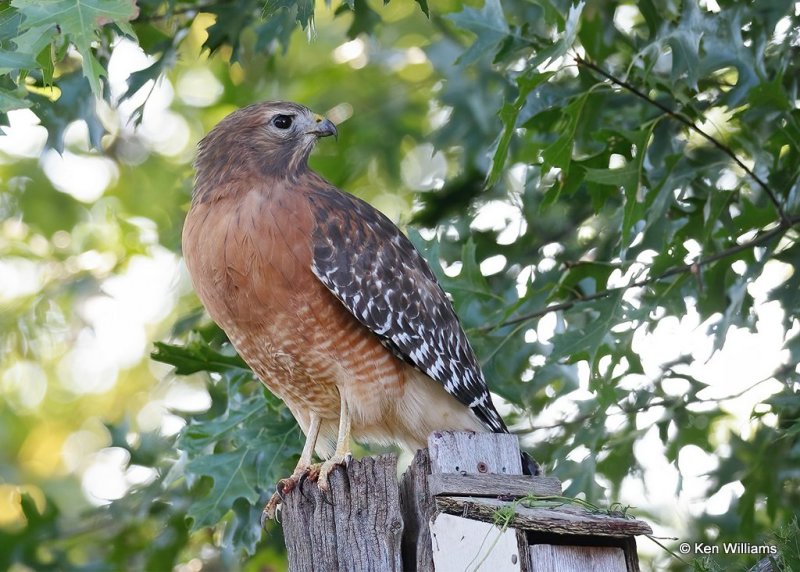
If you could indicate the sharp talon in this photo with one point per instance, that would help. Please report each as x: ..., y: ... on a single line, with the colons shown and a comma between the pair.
x: 271, y: 509
x: 302, y: 480
x: 284, y: 487
x: 280, y: 490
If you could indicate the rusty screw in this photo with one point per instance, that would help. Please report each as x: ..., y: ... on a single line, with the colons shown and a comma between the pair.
x: 482, y: 467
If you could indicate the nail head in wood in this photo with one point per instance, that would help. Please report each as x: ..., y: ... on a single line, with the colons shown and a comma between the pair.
x: 466, y: 452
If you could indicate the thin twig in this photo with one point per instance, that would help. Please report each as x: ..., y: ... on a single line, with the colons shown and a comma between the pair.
x: 670, y: 552
x: 691, y: 125
x: 663, y: 402
x: 681, y: 269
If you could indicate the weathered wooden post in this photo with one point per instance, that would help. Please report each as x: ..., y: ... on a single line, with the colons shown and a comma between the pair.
x: 356, y: 526
x: 444, y: 516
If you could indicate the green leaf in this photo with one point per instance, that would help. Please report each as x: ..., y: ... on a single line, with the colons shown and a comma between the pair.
x: 509, y: 115
x: 489, y: 26
x: 76, y: 102
x: 233, y: 478
x: 582, y: 279
x: 626, y: 176
x: 195, y: 356
x: 12, y: 99
x: 79, y: 21
x: 559, y: 153
x: 138, y: 79
x: 629, y: 178
x: 15, y: 61
x: 581, y: 477
x: 305, y: 12
x: 364, y: 18
x: 276, y: 31
x: 470, y: 277
x: 243, y: 445
x: 770, y: 94
x: 567, y: 39
x: 738, y: 301
x: 14, y: 49
x: 231, y: 23
x: 585, y: 342
x: 788, y: 293
x: 684, y: 41
x: 244, y: 529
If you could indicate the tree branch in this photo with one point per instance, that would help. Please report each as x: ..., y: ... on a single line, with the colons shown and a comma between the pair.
x: 691, y: 125
x: 667, y: 403
x: 675, y: 270
x: 786, y: 221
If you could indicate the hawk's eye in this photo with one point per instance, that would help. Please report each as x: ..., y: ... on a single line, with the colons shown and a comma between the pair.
x: 282, y: 121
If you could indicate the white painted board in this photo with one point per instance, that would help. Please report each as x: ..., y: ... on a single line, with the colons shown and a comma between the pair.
x: 463, y: 545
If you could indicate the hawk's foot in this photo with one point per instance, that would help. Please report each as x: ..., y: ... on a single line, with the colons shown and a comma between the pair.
x: 285, y: 486
x: 328, y: 466
x: 317, y: 472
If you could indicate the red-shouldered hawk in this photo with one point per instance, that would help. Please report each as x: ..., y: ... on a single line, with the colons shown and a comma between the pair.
x: 323, y: 296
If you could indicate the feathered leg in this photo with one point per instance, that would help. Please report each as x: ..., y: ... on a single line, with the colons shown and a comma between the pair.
x: 342, y: 454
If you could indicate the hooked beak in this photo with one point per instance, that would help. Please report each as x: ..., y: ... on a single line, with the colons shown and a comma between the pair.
x: 323, y: 127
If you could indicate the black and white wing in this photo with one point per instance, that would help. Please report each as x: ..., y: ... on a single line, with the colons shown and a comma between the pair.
x: 381, y: 278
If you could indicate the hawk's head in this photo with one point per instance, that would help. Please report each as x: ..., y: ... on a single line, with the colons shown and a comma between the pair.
x: 272, y: 139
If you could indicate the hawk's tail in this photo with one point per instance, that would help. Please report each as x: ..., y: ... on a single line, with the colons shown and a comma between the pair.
x: 530, y: 466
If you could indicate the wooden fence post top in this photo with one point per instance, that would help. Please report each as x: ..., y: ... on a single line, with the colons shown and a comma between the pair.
x: 469, y: 453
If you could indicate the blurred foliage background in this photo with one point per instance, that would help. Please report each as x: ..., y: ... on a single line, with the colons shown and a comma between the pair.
x: 610, y: 192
